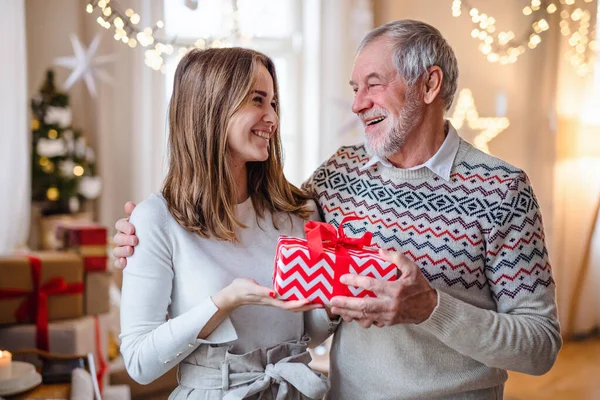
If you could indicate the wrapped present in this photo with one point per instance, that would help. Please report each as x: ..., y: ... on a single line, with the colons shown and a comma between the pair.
x: 78, y: 336
x: 87, y: 240
x: 311, y: 268
x: 40, y: 287
x: 97, y: 292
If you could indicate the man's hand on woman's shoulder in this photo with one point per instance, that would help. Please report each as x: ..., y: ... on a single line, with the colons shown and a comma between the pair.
x: 125, y: 239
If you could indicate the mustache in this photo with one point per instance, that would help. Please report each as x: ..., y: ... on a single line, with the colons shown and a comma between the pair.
x: 374, y: 112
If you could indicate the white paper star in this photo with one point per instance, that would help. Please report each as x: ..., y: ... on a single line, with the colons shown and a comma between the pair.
x: 489, y: 127
x: 85, y: 64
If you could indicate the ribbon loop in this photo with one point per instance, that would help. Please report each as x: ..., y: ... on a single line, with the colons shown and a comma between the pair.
x: 320, y: 235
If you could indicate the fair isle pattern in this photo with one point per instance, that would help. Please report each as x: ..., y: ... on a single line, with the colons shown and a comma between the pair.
x: 482, y: 230
x: 296, y: 276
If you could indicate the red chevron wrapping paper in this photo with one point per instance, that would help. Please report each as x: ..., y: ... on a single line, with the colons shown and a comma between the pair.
x: 311, y: 268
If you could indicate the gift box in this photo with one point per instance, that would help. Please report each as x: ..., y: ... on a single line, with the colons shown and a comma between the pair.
x: 311, y: 268
x: 87, y: 240
x: 40, y: 287
x: 97, y: 293
x: 78, y: 336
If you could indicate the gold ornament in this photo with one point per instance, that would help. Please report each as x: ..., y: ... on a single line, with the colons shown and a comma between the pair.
x: 35, y: 124
x: 78, y: 170
x: 52, y: 134
x: 53, y: 194
x: 47, y: 165
x: 489, y: 127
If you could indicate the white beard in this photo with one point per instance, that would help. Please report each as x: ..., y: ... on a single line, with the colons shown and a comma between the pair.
x: 394, y: 138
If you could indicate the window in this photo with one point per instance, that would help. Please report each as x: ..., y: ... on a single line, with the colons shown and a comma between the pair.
x: 273, y: 27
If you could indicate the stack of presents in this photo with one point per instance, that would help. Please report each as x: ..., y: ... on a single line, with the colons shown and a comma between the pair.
x: 59, y: 301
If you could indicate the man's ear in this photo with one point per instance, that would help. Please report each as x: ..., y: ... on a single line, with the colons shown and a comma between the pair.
x: 432, y: 84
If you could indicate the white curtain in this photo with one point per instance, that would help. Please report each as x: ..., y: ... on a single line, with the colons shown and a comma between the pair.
x: 14, y: 137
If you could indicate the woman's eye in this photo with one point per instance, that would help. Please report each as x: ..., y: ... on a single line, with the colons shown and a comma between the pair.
x: 258, y: 100
x: 274, y: 105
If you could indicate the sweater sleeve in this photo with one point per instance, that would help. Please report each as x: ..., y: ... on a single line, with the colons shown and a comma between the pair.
x: 523, y: 333
x: 152, y: 344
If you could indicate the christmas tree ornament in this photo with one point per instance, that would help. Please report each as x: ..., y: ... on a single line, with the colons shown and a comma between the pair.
x: 58, y: 116
x: 86, y: 64
x: 51, y: 147
x: 66, y: 168
x: 90, y: 187
x: 53, y: 194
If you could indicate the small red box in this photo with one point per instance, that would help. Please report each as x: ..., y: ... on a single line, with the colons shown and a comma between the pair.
x: 311, y: 268
x: 87, y: 240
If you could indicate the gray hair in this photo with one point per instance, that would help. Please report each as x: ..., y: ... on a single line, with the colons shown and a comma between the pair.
x: 417, y: 47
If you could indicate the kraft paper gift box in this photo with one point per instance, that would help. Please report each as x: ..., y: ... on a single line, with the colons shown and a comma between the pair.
x: 87, y: 240
x: 78, y: 336
x: 97, y: 293
x: 40, y: 287
x: 311, y: 268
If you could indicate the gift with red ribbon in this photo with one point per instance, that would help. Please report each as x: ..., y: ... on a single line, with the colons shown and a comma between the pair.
x: 89, y: 240
x: 311, y: 268
x: 40, y: 287
x: 78, y: 336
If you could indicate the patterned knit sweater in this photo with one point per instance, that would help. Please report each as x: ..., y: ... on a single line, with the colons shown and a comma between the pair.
x: 479, y: 240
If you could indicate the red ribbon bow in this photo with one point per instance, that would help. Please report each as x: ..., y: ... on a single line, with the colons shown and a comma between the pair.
x: 320, y: 235
x: 35, y: 305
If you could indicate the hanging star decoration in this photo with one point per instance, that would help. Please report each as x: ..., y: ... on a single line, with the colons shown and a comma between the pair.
x: 86, y: 64
x: 489, y: 127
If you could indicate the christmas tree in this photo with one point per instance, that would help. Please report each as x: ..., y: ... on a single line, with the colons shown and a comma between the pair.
x: 63, y: 165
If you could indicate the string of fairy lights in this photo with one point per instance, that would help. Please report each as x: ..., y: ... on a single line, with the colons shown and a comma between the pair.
x: 505, y: 47
x: 127, y: 29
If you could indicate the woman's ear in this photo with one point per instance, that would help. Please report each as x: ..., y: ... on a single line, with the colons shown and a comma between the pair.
x: 432, y: 84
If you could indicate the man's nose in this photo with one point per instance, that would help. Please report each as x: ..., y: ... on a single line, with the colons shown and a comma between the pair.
x: 362, y: 102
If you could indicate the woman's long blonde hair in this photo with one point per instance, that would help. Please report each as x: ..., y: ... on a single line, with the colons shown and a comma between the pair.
x: 210, y: 86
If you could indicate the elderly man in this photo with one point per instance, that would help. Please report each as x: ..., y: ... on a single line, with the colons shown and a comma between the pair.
x: 475, y: 296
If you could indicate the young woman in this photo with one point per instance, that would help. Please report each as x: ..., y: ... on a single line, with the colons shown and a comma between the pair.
x: 206, y: 244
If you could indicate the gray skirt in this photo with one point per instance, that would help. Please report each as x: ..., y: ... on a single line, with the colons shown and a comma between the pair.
x: 276, y: 373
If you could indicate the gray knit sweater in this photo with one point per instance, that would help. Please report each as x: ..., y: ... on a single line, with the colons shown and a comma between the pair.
x: 478, y: 239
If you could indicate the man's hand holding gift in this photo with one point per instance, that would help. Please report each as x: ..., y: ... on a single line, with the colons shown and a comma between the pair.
x: 408, y: 300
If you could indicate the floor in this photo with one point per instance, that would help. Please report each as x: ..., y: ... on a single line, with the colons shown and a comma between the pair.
x: 576, y: 375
